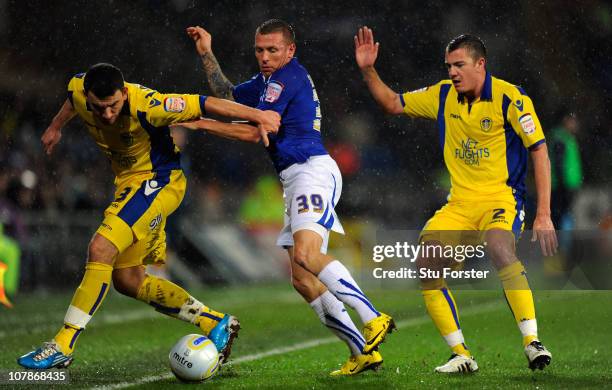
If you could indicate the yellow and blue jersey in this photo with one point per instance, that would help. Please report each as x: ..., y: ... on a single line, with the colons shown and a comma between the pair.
x: 139, y: 142
x: 485, y: 142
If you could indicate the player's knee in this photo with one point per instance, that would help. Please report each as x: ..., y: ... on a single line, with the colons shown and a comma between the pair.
x: 303, y: 256
x: 422, y: 263
x: 302, y: 285
x: 430, y: 260
x: 122, y: 285
x: 126, y: 283
x: 101, y: 250
x: 501, y: 256
x: 500, y: 249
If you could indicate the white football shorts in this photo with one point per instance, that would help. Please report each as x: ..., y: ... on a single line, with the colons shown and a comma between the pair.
x: 311, y: 191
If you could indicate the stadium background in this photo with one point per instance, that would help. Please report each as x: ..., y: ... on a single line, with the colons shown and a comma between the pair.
x: 557, y: 50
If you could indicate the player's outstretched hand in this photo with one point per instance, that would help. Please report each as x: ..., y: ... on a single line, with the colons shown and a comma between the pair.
x: 50, y: 138
x: 544, y: 231
x: 366, y: 51
x: 202, y: 39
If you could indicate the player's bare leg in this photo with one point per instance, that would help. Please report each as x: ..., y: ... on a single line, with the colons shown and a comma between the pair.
x: 85, y: 302
x: 172, y: 300
x: 338, y: 280
x: 333, y: 315
x: 502, y: 252
x: 127, y: 281
x: 443, y: 310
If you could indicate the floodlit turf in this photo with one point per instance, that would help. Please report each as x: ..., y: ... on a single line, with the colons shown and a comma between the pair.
x: 127, y: 343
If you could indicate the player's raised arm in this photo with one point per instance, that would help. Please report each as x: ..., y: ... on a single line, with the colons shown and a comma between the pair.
x: 53, y: 134
x: 220, y: 86
x: 543, y: 228
x: 366, y: 52
x: 238, y: 131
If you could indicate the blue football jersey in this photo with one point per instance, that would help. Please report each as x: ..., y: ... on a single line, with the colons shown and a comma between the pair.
x: 289, y: 91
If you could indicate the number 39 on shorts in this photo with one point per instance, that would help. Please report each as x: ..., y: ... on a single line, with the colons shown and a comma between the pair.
x: 316, y: 201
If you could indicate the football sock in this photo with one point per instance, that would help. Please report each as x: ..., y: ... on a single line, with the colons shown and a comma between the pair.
x: 340, y: 283
x: 172, y: 300
x: 443, y: 311
x: 520, y: 300
x: 333, y: 315
x: 86, y: 300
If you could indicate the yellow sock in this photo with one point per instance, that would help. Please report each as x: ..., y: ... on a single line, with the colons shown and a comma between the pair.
x: 170, y: 299
x: 461, y: 349
x: 67, y: 337
x: 520, y: 299
x: 443, y: 311
x: 85, y: 302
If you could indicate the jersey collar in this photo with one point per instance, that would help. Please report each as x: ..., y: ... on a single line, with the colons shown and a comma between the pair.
x: 487, y: 90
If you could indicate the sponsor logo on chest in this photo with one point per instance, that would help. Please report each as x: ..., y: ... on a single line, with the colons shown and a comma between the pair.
x: 470, y: 153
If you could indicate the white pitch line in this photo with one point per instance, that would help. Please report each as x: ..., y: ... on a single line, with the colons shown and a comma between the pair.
x: 487, y: 307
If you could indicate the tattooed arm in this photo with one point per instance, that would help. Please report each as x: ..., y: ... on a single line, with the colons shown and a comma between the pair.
x: 220, y: 86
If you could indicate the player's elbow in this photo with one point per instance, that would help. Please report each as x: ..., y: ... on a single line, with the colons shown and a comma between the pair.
x: 393, y: 105
x: 392, y: 109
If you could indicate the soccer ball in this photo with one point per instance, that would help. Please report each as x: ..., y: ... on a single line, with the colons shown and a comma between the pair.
x: 194, y: 358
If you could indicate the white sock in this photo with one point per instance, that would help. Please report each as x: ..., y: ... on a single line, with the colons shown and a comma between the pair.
x: 333, y: 315
x: 529, y: 328
x: 339, y: 282
x: 454, y: 338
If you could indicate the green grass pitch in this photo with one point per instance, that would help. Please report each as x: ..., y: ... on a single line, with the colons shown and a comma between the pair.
x: 282, y: 344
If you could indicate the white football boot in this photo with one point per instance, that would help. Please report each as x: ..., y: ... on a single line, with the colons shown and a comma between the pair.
x: 458, y: 364
x: 537, y: 355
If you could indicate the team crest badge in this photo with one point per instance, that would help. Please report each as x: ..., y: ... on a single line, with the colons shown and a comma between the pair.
x: 273, y: 91
x: 486, y: 123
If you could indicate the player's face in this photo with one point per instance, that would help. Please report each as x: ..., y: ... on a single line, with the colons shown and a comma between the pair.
x: 465, y: 72
x: 107, y: 109
x: 272, y: 52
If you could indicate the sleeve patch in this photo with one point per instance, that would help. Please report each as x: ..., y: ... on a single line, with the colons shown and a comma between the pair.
x: 174, y: 104
x: 527, y: 124
x: 273, y: 91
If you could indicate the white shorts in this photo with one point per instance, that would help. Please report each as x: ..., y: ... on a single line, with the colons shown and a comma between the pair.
x: 311, y: 191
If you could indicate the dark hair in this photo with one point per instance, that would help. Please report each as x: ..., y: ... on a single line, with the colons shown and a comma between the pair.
x: 474, y: 45
x: 277, y: 25
x: 103, y: 80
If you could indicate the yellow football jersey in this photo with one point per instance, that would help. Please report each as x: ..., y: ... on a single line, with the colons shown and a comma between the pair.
x: 485, y: 143
x: 139, y: 142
